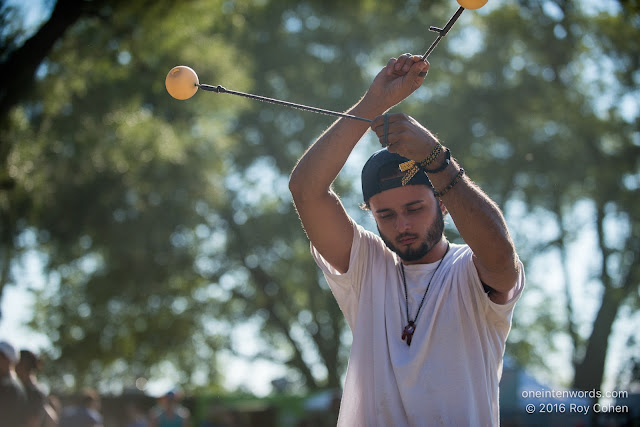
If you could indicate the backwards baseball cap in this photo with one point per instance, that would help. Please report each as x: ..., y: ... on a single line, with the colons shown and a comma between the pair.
x: 382, y: 172
x: 9, y: 352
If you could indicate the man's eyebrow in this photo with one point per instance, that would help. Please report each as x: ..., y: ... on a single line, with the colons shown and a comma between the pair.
x: 383, y: 210
x: 406, y: 205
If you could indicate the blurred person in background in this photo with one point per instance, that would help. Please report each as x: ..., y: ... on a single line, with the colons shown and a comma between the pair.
x: 86, y: 414
x: 135, y: 417
x: 13, y: 399
x: 169, y: 413
x: 39, y: 411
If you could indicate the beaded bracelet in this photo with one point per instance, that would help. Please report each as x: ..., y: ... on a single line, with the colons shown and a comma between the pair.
x: 455, y: 180
x: 447, y: 161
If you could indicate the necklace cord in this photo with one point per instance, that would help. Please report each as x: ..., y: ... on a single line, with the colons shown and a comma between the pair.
x: 406, y: 293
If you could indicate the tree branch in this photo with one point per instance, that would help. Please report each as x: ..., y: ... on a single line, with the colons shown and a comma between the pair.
x: 564, y: 260
x: 17, y: 73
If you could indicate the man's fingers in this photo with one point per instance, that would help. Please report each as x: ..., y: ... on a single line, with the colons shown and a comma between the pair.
x: 378, y: 122
x: 388, y: 133
x: 404, y: 62
x: 423, y: 69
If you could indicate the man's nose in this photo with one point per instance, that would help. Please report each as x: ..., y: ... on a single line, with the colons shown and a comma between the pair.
x: 402, y: 223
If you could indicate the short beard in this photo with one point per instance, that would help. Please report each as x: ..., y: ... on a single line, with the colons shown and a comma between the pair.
x: 433, y: 237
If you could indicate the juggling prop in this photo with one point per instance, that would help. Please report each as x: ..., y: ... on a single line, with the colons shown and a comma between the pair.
x: 182, y: 81
x: 464, y: 4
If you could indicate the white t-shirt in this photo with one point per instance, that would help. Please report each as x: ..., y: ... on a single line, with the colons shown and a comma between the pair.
x: 449, y: 375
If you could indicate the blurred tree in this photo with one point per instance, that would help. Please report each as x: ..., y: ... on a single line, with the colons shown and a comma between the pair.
x: 19, y: 62
x: 108, y: 181
x: 166, y: 225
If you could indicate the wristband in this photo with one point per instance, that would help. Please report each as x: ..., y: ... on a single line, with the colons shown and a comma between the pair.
x: 447, y: 162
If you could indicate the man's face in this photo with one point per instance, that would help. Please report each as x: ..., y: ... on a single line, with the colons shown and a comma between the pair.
x: 410, y: 220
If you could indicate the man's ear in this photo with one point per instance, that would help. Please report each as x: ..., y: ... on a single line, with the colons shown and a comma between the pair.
x: 443, y: 208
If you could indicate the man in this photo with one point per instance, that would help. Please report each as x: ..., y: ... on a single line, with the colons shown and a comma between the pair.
x: 429, y: 319
x: 86, y: 414
x: 170, y: 413
x: 13, y: 400
x: 40, y: 412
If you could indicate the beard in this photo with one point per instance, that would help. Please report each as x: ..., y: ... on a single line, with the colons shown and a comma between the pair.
x: 434, y: 235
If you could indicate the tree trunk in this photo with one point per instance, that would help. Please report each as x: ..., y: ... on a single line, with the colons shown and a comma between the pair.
x: 17, y: 73
x: 590, y: 371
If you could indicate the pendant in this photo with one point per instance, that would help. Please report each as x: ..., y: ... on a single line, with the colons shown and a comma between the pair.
x: 408, y: 331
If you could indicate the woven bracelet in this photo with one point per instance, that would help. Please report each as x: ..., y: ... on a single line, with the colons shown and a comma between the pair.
x: 447, y: 161
x: 432, y: 156
x: 412, y: 168
x: 455, y: 180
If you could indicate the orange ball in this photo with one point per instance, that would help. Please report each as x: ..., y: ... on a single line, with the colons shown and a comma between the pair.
x: 181, y: 82
x: 472, y: 4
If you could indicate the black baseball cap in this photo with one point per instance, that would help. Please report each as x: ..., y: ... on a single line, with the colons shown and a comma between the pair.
x: 382, y: 172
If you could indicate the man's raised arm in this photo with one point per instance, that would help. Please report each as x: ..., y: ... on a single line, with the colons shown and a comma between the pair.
x: 478, y: 219
x: 323, y: 217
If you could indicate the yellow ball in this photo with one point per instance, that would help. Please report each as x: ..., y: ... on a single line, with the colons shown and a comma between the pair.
x: 181, y: 82
x: 472, y: 4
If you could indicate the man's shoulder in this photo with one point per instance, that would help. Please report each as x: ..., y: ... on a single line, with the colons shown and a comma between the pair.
x: 373, y: 248
x: 458, y: 253
x: 459, y: 248
x: 369, y: 237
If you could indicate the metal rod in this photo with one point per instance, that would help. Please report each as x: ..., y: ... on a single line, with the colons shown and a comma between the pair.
x: 220, y: 89
x: 442, y: 31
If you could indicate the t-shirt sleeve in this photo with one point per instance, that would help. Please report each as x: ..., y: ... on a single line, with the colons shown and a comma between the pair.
x: 346, y: 287
x: 495, y: 311
x: 507, y: 308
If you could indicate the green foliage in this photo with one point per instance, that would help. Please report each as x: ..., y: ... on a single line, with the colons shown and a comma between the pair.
x: 166, y: 226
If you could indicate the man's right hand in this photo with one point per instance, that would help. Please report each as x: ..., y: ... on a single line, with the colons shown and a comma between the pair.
x: 328, y: 226
x: 395, y: 82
